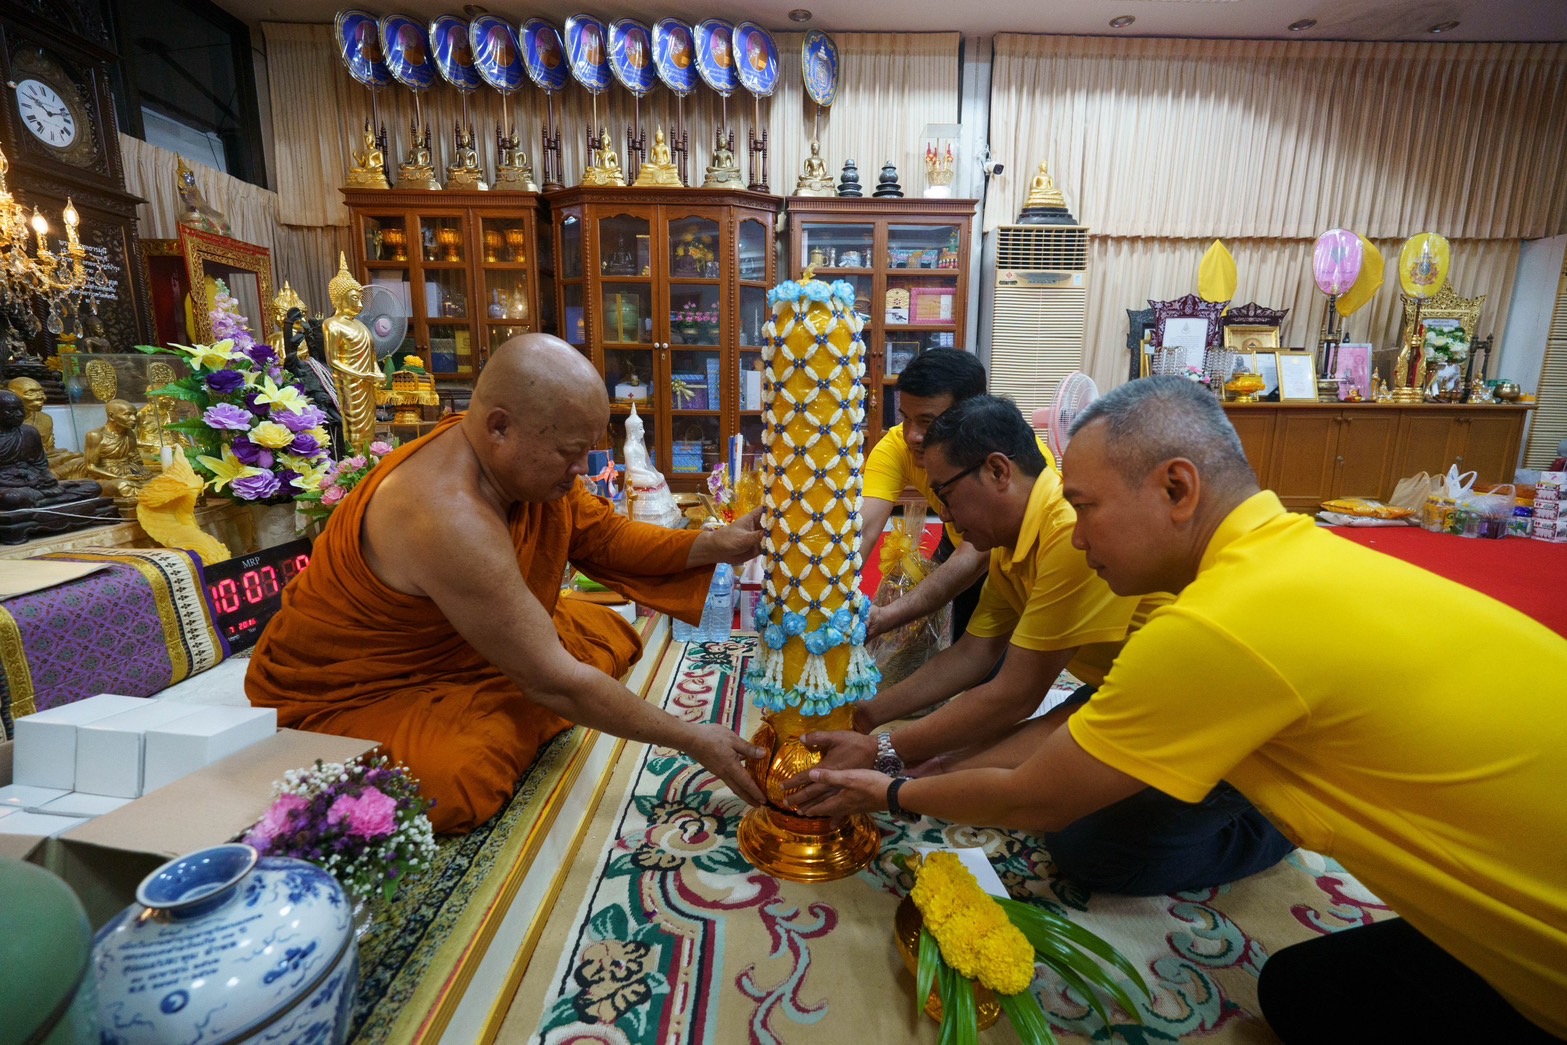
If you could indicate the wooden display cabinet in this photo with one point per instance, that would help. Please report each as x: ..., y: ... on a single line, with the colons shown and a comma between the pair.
x: 666, y: 291
x: 908, y: 262
x: 464, y: 266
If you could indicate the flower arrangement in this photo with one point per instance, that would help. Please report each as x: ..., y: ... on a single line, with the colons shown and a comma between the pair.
x: 364, y: 822
x: 1447, y: 344
x: 338, y: 479
x: 258, y: 437
x: 969, y: 936
x: 723, y: 492
x: 693, y: 312
x: 1195, y: 373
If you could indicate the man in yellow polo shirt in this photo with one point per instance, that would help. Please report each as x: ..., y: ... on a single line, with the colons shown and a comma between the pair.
x: 929, y: 386
x: 1345, y: 692
x: 1044, y: 608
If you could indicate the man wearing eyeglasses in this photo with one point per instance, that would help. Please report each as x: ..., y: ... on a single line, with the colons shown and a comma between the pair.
x: 928, y: 387
x: 1044, y: 607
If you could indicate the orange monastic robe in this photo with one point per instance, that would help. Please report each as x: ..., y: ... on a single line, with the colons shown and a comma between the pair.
x: 348, y: 655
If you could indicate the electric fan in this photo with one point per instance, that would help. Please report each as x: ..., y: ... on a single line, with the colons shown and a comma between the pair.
x: 386, y: 318
x: 1076, y: 391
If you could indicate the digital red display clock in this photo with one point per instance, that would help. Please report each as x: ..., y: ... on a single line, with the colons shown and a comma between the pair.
x: 246, y: 592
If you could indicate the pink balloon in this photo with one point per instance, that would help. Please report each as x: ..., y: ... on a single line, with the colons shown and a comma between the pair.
x: 1336, y: 260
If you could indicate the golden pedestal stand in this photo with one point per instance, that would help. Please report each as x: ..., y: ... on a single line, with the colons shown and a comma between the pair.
x: 780, y: 841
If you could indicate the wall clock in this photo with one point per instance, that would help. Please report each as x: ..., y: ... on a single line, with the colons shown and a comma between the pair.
x: 51, y: 107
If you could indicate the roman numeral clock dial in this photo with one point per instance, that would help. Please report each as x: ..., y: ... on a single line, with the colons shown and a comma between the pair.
x: 46, y: 114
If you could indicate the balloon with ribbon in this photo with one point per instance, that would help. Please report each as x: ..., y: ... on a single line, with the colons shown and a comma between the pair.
x: 1423, y: 265
x: 1367, y: 283
x: 587, y: 49
x: 544, y: 58
x: 358, y: 36
x: 1336, y: 260
x: 631, y: 60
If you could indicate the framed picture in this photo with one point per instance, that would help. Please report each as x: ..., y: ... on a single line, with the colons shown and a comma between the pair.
x: 1248, y: 339
x: 1354, y: 371
x: 1266, y: 365
x: 1297, y: 377
x: 900, y: 354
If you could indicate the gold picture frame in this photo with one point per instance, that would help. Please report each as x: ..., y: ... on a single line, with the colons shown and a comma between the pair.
x: 1297, y: 377
x: 244, y: 267
x: 1444, y: 304
x: 1249, y: 339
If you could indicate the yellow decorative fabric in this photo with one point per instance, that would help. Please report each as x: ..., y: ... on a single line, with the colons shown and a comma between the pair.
x: 1372, y: 271
x: 1216, y: 276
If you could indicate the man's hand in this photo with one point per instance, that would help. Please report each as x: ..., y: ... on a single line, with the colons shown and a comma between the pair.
x: 840, y: 749
x: 877, y: 624
x: 841, y: 792
x: 724, y: 754
x: 736, y: 543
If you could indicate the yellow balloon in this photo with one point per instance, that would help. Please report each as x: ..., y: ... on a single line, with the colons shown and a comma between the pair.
x: 1216, y: 274
x: 1423, y: 263
x: 1367, y: 283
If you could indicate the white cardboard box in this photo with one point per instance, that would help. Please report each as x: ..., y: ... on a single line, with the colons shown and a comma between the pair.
x: 46, y: 741
x: 84, y: 806
x: 23, y: 796
x: 196, y: 741
x: 39, y: 825
x: 109, y: 752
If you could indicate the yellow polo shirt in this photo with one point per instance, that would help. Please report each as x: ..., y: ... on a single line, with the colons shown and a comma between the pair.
x: 1405, y: 725
x: 890, y: 469
x: 1043, y: 594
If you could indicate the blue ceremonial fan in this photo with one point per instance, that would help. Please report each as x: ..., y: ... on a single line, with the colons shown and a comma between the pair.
x: 407, y: 50
x: 359, y: 43
x: 587, y: 52
x: 631, y: 55
x: 715, y: 55
x: 453, y: 53
x: 819, y: 67
x: 496, y: 55
x: 674, y: 55
x: 756, y: 59
x: 544, y: 55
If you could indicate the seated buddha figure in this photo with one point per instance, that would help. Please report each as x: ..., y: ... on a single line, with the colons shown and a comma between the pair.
x: 31, y: 498
x: 604, y: 169
x: 113, y: 453
x: 660, y: 169
x: 65, y: 464
x: 723, y: 170
x: 815, y: 181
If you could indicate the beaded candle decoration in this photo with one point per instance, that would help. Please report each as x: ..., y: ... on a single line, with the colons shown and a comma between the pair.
x: 811, y: 665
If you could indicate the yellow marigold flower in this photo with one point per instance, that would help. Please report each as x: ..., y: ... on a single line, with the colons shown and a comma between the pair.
x: 271, y: 435
x: 975, y: 936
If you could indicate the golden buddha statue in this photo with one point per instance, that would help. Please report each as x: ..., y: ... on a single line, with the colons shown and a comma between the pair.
x: 286, y: 300
x: 113, y: 454
x: 1042, y: 191
x: 351, y: 354
x: 197, y: 212
x: 661, y: 169
x: 464, y: 172
x: 1409, y: 369
x: 512, y: 169
x: 417, y: 171
x: 723, y: 172
x: 815, y: 181
x: 65, y: 464
x: 604, y: 167
x: 153, y: 420
x: 369, y: 169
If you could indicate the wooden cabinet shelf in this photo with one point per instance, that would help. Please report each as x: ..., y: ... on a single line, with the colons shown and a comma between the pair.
x: 1312, y: 452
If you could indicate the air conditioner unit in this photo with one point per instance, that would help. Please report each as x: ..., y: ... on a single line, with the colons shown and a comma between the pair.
x: 1038, y: 307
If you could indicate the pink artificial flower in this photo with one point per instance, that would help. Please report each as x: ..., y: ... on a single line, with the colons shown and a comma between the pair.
x: 330, y: 495
x: 356, y: 461
x: 372, y: 815
x: 276, y: 821
x: 380, y: 449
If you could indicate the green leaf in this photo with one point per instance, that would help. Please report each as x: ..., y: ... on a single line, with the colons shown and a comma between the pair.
x: 190, y: 424
x: 946, y: 978
x: 186, y: 388
x: 961, y: 1013
x: 1063, y: 959
x: 1028, y: 1019
x: 925, y: 975
x: 1055, y: 925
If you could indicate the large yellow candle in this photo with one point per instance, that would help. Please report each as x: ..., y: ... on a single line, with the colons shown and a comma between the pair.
x: 811, y: 619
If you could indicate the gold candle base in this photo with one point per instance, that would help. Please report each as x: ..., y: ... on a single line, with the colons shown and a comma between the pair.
x: 1408, y: 395
x: 776, y: 838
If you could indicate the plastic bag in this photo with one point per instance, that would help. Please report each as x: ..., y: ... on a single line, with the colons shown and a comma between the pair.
x: 901, y: 652
x: 1412, y: 492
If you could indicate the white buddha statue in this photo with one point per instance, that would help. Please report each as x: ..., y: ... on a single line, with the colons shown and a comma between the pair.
x: 647, y: 493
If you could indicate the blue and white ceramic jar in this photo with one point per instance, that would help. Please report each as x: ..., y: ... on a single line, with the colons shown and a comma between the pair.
x: 225, y: 946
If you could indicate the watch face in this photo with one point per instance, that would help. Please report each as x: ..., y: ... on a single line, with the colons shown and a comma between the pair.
x: 46, y: 114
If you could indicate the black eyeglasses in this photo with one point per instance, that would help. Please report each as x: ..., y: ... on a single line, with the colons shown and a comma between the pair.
x: 939, y: 490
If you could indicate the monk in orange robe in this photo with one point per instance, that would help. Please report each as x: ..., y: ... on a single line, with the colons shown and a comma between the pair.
x: 430, y: 620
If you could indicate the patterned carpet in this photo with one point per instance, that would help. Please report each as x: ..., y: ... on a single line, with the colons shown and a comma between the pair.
x: 678, y: 939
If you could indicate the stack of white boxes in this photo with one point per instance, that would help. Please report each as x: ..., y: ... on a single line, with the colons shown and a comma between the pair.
x: 84, y: 759
x: 1550, y: 508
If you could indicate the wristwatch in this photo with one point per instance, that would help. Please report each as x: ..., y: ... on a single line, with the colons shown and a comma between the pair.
x: 887, y: 760
x: 897, y: 811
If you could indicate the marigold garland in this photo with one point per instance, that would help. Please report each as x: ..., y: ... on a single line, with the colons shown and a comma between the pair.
x: 975, y: 936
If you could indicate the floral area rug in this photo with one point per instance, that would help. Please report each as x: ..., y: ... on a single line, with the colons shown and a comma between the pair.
x: 679, y: 939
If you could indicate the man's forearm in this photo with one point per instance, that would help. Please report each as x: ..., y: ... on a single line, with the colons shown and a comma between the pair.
x: 941, y: 586
x: 591, y: 698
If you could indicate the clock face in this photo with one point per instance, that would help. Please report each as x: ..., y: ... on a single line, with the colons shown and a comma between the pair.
x: 46, y: 114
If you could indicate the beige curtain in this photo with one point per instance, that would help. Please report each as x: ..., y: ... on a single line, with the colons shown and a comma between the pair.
x: 891, y: 86
x: 151, y: 173
x: 1160, y: 146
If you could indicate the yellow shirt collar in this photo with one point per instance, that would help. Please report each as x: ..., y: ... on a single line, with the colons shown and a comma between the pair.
x: 1251, y: 514
x: 1045, y: 484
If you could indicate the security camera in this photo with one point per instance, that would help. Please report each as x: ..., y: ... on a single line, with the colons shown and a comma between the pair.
x: 994, y: 168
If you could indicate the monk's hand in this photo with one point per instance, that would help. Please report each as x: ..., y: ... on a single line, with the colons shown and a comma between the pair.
x: 842, y: 792
x: 739, y: 542
x: 840, y: 749
x: 724, y: 753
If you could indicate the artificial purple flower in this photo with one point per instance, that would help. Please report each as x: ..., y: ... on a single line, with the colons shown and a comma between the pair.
x: 257, y: 487
x: 225, y: 382
x: 261, y: 353
x: 371, y: 815
x: 276, y: 821
x: 305, y: 445
x: 251, y: 454
x: 286, y: 478
x: 308, y: 418
x: 258, y: 409
x: 227, y: 417
x: 379, y: 449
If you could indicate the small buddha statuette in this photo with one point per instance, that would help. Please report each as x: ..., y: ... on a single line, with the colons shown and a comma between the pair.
x: 465, y: 172
x: 660, y: 169
x: 417, y: 171
x: 1045, y: 204
x: 604, y: 165
x: 814, y: 180
x: 369, y: 169
x: 723, y: 172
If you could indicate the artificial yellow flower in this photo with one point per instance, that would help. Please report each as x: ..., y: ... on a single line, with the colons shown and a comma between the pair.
x: 975, y: 936
x: 271, y: 435
x: 311, y: 473
x: 288, y: 397
x: 228, y: 468
x: 210, y: 357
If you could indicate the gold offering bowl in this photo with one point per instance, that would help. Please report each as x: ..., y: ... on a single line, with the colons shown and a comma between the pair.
x: 492, y: 245
x: 1243, y: 388
x: 906, y: 925
x: 517, y: 245
x: 777, y: 838
x: 449, y: 239
x: 395, y: 240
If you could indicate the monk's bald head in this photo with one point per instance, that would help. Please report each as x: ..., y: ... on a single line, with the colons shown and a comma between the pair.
x: 537, y: 376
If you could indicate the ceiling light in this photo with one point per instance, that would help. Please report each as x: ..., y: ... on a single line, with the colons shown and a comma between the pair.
x: 1442, y: 27
x: 1302, y: 25
x: 1121, y: 22
x: 799, y: 14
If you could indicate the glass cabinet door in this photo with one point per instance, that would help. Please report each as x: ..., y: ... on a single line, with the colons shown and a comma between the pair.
x: 573, y: 325
x: 623, y: 321
x: 693, y: 245
x: 505, y: 290
x: 753, y: 252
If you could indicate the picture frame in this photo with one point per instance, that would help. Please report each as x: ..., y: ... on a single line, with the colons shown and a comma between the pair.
x: 244, y: 267
x: 1184, y: 329
x: 1265, y: 364
x: 1354, y: 371
x: 1297, y: 377
x: 1250, y: 339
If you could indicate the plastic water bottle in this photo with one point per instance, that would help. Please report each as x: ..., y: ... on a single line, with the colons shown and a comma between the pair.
x: 718, y: 614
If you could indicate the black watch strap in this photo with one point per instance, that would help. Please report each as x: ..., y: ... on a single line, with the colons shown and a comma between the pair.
x: 893, y: 807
